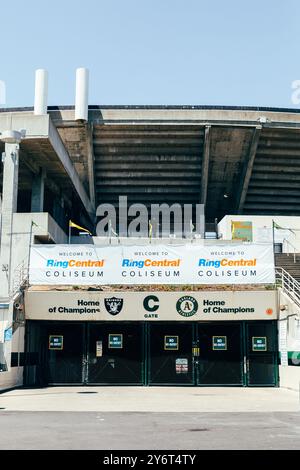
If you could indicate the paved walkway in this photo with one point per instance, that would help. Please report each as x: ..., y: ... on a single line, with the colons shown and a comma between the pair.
x: 57, y: 430
x: 151, y: 399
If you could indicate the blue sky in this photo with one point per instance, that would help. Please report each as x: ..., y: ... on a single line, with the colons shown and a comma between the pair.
x: 227, y: 52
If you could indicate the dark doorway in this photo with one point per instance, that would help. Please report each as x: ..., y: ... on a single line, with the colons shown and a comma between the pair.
x: 170, y: 353
x: 65, y: 344
x: 261, y: 348
x: 221, y: 354
x: 115, y: 353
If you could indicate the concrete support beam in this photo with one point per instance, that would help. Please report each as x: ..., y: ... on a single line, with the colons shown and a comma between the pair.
x: 9, y: 207
x: 55, y: 189
x: 205, y: 165
x: 37, y: 192
x: 91, y: 160
x: 48, y: 181
x: 57, y: 210
x: 41, y: 127
x: 247, y: 170
x: 67, y: 163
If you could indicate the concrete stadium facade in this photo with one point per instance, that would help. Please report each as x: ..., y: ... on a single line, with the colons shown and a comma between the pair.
x: 241, y: 164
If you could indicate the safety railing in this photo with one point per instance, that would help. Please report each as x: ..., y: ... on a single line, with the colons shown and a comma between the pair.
x: 20, y: 276
x: 289, y: 285
x: 289, y: 248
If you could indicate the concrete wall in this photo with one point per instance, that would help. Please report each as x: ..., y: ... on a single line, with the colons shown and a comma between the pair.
x: 262, y: 227
x: 289, y: 377
x: 13, y: 377
x: 289, y: 320
x: 291, y: 317
x: 48, y: 231
x: 45, y: 227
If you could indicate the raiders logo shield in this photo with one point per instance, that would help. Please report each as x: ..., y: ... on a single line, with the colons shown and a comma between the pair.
x: 113, y: 305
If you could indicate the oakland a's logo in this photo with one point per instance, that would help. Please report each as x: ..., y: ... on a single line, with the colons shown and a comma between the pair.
x: 113, y: 305
x: 187, y: 306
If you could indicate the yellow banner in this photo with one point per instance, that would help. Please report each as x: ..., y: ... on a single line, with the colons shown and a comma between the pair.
x: 72, y: 224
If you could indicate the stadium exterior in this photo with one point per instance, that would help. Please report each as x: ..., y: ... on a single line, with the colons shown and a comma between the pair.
x: 241, y: 164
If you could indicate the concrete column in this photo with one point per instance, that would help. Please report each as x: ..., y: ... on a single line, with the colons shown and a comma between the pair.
x: 82, y: 92
x: 41, y: 92
x: 57, y: 211
x: 9, y: 206
x: 37, y: 192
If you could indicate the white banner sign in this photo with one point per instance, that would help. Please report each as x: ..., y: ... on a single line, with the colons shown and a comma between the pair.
x: 156, y: 264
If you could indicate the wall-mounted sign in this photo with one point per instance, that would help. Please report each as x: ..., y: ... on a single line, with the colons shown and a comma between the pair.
x: 115, y: 341
x: 99, y: 349
x: 283, y: 344
x: 181, y: 366
x: 259, y: 343
x: 56, y: 342
x: 187, y: 306
x: 8, y: 334
x: 241, y: 230
x: 171, y: 343
x: 167, y: 264
x: 113, y: 305
x: 284, y: 358
x: 219, y: 343
x: 221, y: 305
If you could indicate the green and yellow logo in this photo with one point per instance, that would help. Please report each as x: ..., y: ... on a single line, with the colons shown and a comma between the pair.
x: 187, y: 306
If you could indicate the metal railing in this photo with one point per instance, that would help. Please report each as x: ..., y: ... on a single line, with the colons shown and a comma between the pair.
x: 289, y: 285
x: 293, y: 250
x: 20, y: 276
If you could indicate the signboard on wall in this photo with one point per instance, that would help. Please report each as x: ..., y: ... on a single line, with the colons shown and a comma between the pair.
x: 171, y: 343
x: 259, y: 343
x: 241, y: 230
x: 219, y: 343
x: 157, y: 264
x: 99, y: 348
x: 181, y: 365
x: 56, y: 342
x: 152, y: 306
x: 115, y: 341
x: 8, y: 334
x: 282, y: 346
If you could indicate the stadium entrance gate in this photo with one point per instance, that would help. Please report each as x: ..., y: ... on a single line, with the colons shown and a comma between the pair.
x: 237, y: 353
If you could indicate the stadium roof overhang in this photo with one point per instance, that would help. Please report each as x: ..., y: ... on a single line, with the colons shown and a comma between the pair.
x: 43, y: 149
x: 236, y: 160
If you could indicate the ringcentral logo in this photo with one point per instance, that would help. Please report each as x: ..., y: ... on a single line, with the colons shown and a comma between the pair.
x: 187, y: 306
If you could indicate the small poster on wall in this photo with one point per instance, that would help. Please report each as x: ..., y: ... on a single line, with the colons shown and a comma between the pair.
x: 181, y: 366
x: 259, y: 343
x: 219, y: 343
x: 171, y: 343
x: 115, y: 341
x: 8, y: 334
x: 56, y: 342
x: 99, y: 348
x: 241, y: 230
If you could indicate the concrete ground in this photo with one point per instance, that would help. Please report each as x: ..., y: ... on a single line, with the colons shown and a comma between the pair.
x: 151, y: 399
x: 150, y: 418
